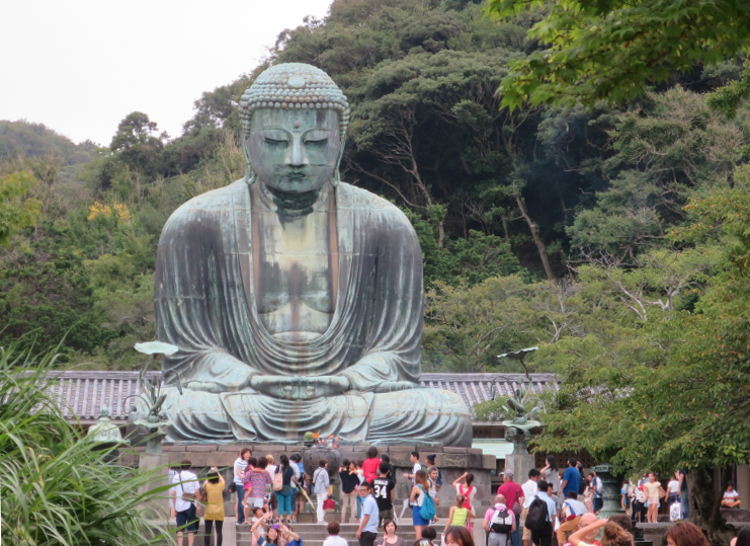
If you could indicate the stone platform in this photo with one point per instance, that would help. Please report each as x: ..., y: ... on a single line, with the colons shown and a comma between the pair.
x: 452, y: 461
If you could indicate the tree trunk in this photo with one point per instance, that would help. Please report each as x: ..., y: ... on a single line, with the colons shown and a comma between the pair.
x: 537, y: 240
x: 506, y: 236
x: 704, y: 493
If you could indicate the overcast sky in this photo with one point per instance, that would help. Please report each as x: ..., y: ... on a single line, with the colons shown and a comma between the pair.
x: 81, y: 66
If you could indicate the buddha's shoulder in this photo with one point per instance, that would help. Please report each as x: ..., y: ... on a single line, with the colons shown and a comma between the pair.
x: 210, y: 204
x: 359, y: 199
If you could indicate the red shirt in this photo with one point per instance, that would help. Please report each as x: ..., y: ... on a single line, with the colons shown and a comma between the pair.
x: 512, y: 492
x: 370, y: 469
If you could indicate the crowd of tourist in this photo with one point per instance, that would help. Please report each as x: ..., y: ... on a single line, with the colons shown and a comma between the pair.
x: 551, y: 502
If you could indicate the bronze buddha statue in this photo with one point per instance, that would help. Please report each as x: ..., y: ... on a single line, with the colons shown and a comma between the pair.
x: 295, y: 299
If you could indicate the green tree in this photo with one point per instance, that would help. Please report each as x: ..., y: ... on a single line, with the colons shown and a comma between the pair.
x: 612, y: 49
x: 17, y: 210
x: 138, y: 145
x: 665, y: 149
x: 467, y: 326
x: 681, y: 404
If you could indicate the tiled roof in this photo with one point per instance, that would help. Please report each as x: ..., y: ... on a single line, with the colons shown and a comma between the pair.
x: 477, y: 387
x: 82, y: 393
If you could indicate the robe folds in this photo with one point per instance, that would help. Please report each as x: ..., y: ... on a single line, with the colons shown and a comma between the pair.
x: 205, y: 305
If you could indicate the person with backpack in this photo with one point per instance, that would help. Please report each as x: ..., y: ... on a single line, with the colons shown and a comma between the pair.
x: 540, y: 516
x: 499, y: 523
x: 467, y: 490
x: 423, y: 507
x: 514, y: 498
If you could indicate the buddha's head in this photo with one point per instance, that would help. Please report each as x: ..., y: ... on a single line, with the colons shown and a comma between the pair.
x: 294, y: 121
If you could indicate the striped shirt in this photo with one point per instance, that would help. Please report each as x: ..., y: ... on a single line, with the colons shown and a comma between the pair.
x: 239, y: 469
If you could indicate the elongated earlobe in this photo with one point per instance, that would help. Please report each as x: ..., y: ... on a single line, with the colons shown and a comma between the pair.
x: 249, y: 172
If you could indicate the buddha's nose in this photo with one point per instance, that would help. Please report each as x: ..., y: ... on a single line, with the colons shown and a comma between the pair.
x: 297, y: 156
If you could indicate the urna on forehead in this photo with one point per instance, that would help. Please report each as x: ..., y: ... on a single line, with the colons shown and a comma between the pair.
x: 293, y: 86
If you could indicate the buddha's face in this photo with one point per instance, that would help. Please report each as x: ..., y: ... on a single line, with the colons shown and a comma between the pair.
x: 294, y: 151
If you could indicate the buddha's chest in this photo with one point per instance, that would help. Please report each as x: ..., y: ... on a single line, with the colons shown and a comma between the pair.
x: 293, y: 274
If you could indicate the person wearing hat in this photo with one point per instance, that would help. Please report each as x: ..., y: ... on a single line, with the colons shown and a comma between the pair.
x: 513, y: 494
x: 431, y: 463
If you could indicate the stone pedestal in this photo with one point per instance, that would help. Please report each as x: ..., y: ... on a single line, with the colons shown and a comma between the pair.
x: 520, y: 464
x: 158, y: 465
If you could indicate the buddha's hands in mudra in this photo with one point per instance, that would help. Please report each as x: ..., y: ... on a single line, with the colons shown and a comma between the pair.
x: 300, y: 388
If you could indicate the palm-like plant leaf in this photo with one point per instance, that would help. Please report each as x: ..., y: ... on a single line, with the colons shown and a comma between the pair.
x: 55, y: 487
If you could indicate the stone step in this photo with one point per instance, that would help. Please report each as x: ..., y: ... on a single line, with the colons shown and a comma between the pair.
x: 312, y: 527
x: 245, y: 540
x: 321, y: 534
x: 350, y: 541
x: 313, y: 534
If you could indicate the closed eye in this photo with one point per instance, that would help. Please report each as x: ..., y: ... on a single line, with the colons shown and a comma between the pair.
x: 275, y: 137
x: 317, y: 136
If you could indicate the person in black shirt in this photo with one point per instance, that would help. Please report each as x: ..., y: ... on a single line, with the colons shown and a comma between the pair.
x: 349, y: 484
x: 382, y: 489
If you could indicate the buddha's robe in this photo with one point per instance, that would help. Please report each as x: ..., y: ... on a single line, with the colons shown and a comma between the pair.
x: 205, y: 305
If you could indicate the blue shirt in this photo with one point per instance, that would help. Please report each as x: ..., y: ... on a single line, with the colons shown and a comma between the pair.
x: 370, y: 508
x: 573, y: 477
x: 551, y: 506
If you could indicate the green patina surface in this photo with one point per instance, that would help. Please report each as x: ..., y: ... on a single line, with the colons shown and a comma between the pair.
x: 295, y: 299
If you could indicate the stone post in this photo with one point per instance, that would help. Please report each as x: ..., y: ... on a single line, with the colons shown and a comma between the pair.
x: 158, y: 464
x: 520, y: 461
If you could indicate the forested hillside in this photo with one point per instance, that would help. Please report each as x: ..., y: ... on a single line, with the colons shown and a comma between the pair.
x: 577, y: 230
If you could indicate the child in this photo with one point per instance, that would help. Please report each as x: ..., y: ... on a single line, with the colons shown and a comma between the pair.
x: 257, y: 526
x: 459, y: 515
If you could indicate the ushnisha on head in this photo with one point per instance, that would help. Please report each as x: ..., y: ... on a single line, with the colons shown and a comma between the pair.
x: 290, y: 87
x: 295, y: 86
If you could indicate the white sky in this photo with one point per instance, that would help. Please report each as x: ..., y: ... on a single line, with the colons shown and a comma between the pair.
x: 81, y: 66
